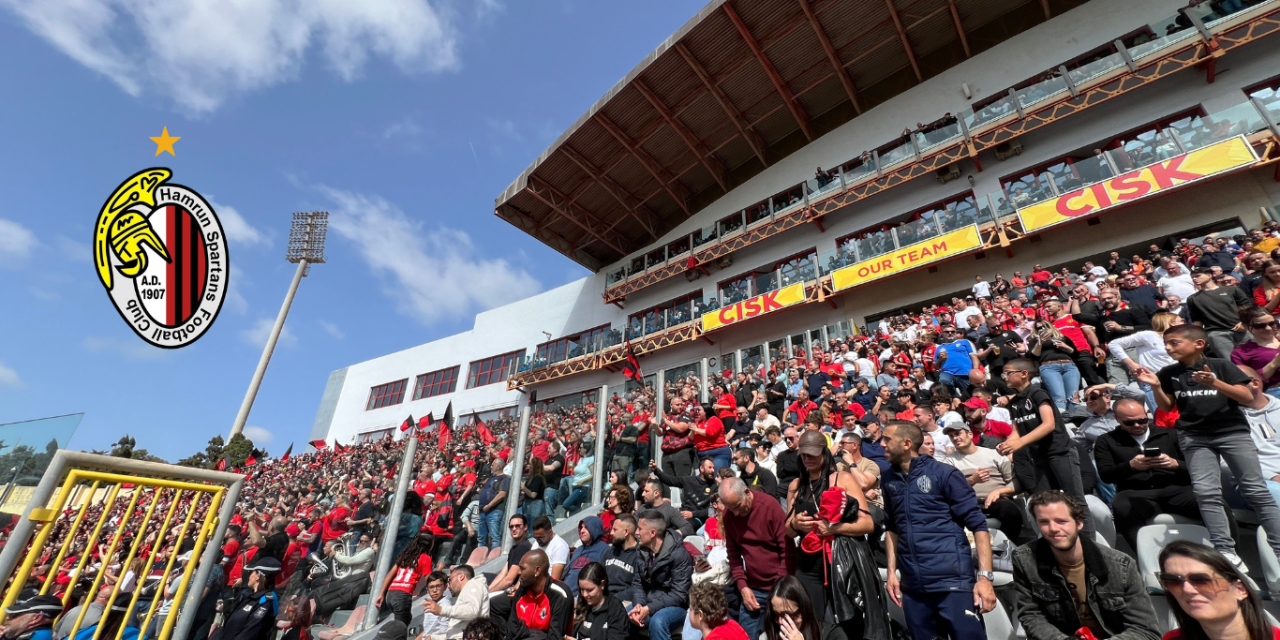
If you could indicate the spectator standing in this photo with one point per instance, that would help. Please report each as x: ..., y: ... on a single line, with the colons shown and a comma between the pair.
x: 1217, y: 310
x: 1208, y: 393
x: 755, y: 476
x: 955, y: 358
x: 981, y: 289
x: 660, y: 593
x: 759, y: 547
x: 708, y: 436
x: 1067, y: 583
x: 696, y: 491
x: 928, y: 506
x: 410, y: 568
x: 492, y: 500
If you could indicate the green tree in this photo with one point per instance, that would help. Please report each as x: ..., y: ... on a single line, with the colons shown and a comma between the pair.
x: 126, y: 448
x: 235, y: 451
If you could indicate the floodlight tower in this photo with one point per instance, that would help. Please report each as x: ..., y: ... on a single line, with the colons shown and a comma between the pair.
x: 306, y: 247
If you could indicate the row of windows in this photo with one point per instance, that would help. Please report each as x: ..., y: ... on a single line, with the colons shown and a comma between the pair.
x: 492, y: 370
x: 436, y: 383
x: 385, y: 395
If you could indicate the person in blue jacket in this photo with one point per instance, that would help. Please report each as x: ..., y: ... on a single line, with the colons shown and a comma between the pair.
x: 928, y: 506
x: 591, y: 533
x: 31, y: 617
x: 114, y: 616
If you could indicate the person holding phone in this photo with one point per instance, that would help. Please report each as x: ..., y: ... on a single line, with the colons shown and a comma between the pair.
x: 789, y: 615
x: 1147, y: 468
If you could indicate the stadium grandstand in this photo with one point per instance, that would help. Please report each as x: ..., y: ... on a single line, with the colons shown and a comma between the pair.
x: 907, y: 318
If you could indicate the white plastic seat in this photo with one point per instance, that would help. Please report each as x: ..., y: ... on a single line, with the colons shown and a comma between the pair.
x: 1172, y: 518
x: 1102, y: 540
x: 697, y: 541
x: 999, y: 625
x: 1165, y: 621
x: 1153, y: 538
x: 1103, y: 521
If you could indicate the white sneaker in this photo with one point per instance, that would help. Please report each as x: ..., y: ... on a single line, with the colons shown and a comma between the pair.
x: 1236, y: 562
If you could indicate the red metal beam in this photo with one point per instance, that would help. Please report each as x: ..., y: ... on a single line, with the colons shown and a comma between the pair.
x: 628, y: 201
x: 841, y: 73
x: 797, y: 111
x: 562, y: 204
x: 955, y: 17
x: 656, y: 170
x: 902, y: 35
x: 699, y: 150
x: 744, y: 129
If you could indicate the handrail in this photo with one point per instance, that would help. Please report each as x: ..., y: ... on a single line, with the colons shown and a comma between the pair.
x: 990, y: 126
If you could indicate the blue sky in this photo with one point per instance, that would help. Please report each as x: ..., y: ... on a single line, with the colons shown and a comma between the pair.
x: 404, y: 119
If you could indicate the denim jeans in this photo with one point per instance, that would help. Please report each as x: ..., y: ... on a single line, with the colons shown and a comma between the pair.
x: 552, y: 498
x: 1202, y: 451
x: 491, y: 529
x: 533, y: 508
x: 957, y: 384
x: 720, y: 456
x: 1062, y: 381
x: 574, y: 500
x: 666, y: 620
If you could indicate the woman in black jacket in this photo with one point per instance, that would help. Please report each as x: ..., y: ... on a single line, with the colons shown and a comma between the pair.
x: 598, y: 615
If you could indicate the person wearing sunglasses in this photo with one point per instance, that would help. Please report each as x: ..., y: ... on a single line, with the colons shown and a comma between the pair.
x: 1262, y: 352
x: 1147, y: 468
x: 1066, y: 582
x: 1209, y: 597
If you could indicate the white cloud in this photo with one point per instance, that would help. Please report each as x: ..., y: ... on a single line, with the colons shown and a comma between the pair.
x: 258, y: 435
x: 9, y: 377
x: 16, y: 241
x: 406, y: 127
x: 73, y: 251
x: 200, y: 53
x: 238, y: 229
x: 261, y: 330
x: 438, y: 272
x: 134, y: 349
x: 332, y: 329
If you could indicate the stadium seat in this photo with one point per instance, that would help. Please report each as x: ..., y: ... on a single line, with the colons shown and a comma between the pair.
x: 1165, y: 621
x: 1102, y: 540
x: 1103, y: 521
x: 1172, y: 518
x: 999, y: 624
x: 1270, y: 565
x: 1152, y: 539
x: 697, y: 541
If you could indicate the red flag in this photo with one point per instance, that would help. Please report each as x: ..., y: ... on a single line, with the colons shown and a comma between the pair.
x: 251, y: 460
x: 222, y: 464
x: 424, y: 421
x: 444, y: 435
x: 337, y: 447
x: 486, y: 436
x: 631, y: 368
x: 407, y: 424
x: 319, y: 444
x: 287, y: 452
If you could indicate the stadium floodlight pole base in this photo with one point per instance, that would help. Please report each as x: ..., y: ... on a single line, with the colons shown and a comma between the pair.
x: 252, y: 393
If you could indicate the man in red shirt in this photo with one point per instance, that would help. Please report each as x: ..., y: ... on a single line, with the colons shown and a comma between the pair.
x: 539, y: 446
x: 335, y: 523
x: 424, y: 485
x: 975, y: 413
x: 801, y: 407
x: 756, y: 538
x: 1040, y: 276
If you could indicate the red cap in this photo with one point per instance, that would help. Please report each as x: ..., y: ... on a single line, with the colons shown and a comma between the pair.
x: 293, y: 530
x: 977, y: 403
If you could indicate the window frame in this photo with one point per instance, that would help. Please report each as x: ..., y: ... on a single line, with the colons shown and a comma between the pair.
x: 499, y: 365
x: 450, y: 382
x: 386, y: 392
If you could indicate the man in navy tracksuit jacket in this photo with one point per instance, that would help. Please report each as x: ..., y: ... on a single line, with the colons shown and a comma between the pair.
x: 929, y: 505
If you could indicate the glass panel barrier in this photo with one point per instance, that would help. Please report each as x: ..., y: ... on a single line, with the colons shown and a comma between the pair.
x: 838, y: 259
x: 1224, y: 10
x: 874, y: 243
x: 706, y: 305
x: 656, y: 258
x: 1003, y: 207
x: 704, y: 236
x: 917, y: 230
x: 863, y: 168
x: 903, y: 151
x: 1166, y: 32
x: 778, y: 355
x: 678, y: 248
x: 1148, y: 148
x: 1270, y: 99
x: 799, y: 347
x: 655, y: 321
x: 635, y: 328
x: 758, y: 213
x: 946, y: 130
x: 637, y: 266
x: 765, y: 282
x: 1042, y: 90
x: 1030, y: 189
x: 816, y: 340
x: 753, y: 360
x: 798, y: 271
x: 615, y: 276
x: 1089, y: 70
x: 731, y: 225
x: 1091, y: 170
x: 817, y: 186
x: 840, y: 330
x: 788, y: 200
x: 1003, y: 106
x: 611, y: 339
x: 735, y: 291
x: 1197, y: 131
x: 728, y: 362
x: 679, y: 314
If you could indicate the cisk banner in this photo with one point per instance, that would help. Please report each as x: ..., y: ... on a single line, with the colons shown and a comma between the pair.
x: 753, y: 307
x: 1125, y: 188
x: 907, y: 258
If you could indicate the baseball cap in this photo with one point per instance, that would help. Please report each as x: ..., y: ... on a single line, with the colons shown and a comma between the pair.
x: 292, y: 530
x: 811, y: 443
x: 868, y: 418
x: 49, y: 605
x: 952, y: 426
x: 977, y: 403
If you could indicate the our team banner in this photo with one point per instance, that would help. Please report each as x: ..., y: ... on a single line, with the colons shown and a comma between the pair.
x: 754, y: 307
x: 1135, y: 185
x: 907, y: 258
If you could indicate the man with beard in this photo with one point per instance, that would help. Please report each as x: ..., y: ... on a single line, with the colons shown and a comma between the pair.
x: 652, y: 495
x: 756, y: 477
x: 31, y: 618
x: 696, y: 491
x: 1118, y: 319
x: 788, y: 460
x: 1084, y: 578
x: 619, y: 559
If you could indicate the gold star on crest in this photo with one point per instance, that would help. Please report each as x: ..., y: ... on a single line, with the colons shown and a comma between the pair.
x: 165, y: 142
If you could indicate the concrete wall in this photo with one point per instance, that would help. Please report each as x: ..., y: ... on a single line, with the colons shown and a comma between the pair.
x: 577, y: 306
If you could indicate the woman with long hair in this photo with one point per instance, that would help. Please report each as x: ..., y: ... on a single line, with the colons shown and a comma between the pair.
x: 618, y: 500
x: 1267, y: 294
x: 598, y: 615
x: 1055, y: 357
x: 789, y: 615
x: 1262, y: 352
x: 535, y: 484
x: 823, y: 502
x: 1209, y: 597
x: 1149, y: 346
x: 406, y: 575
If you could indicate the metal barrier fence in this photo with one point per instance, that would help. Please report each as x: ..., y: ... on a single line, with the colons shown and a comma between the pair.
x: 127, y: 512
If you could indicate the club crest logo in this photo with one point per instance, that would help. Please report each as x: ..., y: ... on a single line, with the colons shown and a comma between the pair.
x: 161, y: 253
x: 924, y: 484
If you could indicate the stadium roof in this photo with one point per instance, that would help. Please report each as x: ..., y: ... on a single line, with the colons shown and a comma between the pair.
x: 741, y: 85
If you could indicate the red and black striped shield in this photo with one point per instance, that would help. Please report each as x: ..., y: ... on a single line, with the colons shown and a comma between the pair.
x: 182, y: 280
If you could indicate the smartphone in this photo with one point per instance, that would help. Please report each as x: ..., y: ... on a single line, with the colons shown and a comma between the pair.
x: 1151, y: 452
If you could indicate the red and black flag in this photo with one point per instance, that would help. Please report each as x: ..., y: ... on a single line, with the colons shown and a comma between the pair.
x: 338, y: 448
x: 631, y: 368
x: 252, y: 459
x: 287, y: 453
x: 222, y: 464
x: 482, y: 429
x: 319, y: 444
x: 407, y: 424
x: 186, y: 275
x: 424, y: 421
x: 447, y: 420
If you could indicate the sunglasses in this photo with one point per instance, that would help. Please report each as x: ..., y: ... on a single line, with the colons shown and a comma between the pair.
x: 1135, y: 422
x: 1201, y: 581
x: 516, y: 526
x: 1265, y: 325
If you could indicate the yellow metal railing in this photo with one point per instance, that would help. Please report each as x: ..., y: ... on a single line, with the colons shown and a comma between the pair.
x: 86, y: 517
